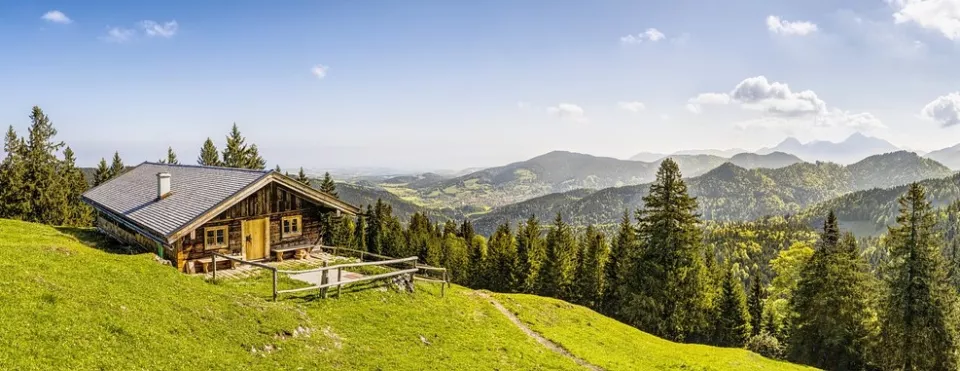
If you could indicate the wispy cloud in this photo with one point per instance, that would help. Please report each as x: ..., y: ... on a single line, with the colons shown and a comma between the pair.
x: 937, y: 15
x: 118, y: 35
x: 567, y: 111
x: 320, y: 71
x: 56, y: 16
x: 635, y: 106
x: 785, y: 27
x: 154, y: 29
x: 651, y: 34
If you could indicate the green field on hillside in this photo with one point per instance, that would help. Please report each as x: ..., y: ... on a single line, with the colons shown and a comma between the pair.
x: 68, y: 305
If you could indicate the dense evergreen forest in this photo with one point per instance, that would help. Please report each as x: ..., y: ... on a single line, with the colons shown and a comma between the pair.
x: 775, y: 285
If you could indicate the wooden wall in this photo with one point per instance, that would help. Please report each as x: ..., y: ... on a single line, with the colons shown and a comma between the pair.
x: 128, y: 236
x: 274, y: 201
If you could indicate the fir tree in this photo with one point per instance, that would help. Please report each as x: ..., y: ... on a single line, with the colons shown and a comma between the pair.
x: 624, y: 250
x: 14, y: 201
x: 209, y: 156
x: 235, y: 152
x: 277, y: 169
x: 733, y: 317
x: 116, y: 166
x: 76, y: 212
x: 360, y: 232
x: 42, y: 183
x: 918, y: 331
x: 755, y: 304
x: 328, y: 186
x: 344, y: 233
x: 302, y: 177
x: 455, y: 258
x: 254, y: 160
x: 477, y: 260
x: 531, y: 252
x: 557, y: 272
x: 501, y: 260
x: 171, y: 157
x: 593, y: 253
x: 102, y: 173
x: 833, y: 322
x: 668, y: 292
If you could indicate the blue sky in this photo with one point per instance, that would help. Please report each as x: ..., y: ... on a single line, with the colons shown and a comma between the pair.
x: 451, y: 84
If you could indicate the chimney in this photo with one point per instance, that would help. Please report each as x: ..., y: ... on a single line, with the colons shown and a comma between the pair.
x: 163, y: 185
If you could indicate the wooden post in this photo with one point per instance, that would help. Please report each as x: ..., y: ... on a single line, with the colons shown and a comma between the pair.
x: 214, y: 262
x: 444, y: 283
x: 361, y: 256
x: 324, y: 279
x: 339, y: 281
x: 274, y: 270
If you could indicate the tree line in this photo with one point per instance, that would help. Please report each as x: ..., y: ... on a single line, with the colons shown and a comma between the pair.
x: 815, y: 299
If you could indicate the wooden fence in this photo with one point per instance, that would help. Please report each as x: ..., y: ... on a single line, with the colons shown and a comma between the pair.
x: 325, y: 283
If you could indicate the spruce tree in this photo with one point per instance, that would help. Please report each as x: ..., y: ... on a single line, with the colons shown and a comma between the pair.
x: 253, y: 159
x: 455, y: 258
x: 209, y: 156
x: 360, y: 233
x: 501, y: 260
x: 733, y: 318
x: 755, y: 304
x: 531, y: 252
x: 102, y: 173
x: 669, y: 286
x: 557, y: 272
x: 833, y: 309
x: 302, y: 177
x: 277, y: 169
x: 235, y: 151
x: 477, y: 261
x: 76, y: 212
x: 328, y: 186
x: 116, y: 166
x: 14, y: 201
x: 919, y: 308
x: 41, y: 180
x: 624, y: 249
x: 171, y: 157
x: 592, y: 257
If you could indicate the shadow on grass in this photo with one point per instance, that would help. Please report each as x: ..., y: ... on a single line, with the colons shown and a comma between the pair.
x: 93, y: 238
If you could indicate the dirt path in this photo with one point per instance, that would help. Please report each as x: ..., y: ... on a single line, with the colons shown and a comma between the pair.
x: 536, y: 336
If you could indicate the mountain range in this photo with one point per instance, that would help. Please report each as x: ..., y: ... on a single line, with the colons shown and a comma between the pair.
x: 731, y: 192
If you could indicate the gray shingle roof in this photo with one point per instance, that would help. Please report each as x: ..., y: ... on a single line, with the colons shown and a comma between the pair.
x: 194, y: 190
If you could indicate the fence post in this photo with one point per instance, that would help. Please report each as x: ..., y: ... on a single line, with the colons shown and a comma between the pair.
x: 361, y: 256
x: 274, y: 270
x: 324, y: 279
x: 339, y: 281
x: 214, y: 262
x: 444, y: 283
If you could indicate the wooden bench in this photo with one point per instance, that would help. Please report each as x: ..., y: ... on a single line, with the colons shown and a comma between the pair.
x: 206, y: 262
x: 300, y: 252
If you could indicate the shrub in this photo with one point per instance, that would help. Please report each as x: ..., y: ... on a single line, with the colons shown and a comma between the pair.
x: 765, y: 345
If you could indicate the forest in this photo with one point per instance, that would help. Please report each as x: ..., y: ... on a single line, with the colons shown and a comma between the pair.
x: 820, y: 296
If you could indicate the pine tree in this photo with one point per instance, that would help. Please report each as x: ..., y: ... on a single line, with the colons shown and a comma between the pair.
x: 76, y: 213
x: 477, y: 260
x: 531, y: 252
x: 14, y: 201
x: 302, y: 177
x: 733, y: 319
x: 449, y: 227
x: 376, y: 224
x: 41, y: 179
x: 360, y: 232
x: 209, y: 156
x: 502, y: 259
x: 116, y: 166
x: 455, y: 258
x: 755, y: 304
x: 102, y: 173
x: 171, y: 158
x: 254, y: 160
x: 832, y: 327
x: 624, y: 249
x: 669, y: 286
x: 277, y: 169
x: 343, y: 234
x: 557, y: 272
x: 590, y: 263
x: 328, y: 186
x: 235, y: 152
x: 919, y: 315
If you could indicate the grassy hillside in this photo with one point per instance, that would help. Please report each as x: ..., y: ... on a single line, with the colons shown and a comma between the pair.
x: 615, y: 346
x: 67, y: 305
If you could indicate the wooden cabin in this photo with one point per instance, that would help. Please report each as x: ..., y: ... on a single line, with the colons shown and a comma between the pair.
x: 186, y: 212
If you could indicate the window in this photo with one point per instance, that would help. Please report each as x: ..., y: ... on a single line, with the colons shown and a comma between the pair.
x: 215, y: 237
x: 292, y: 225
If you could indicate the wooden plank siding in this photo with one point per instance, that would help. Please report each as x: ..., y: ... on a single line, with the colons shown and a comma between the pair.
x: 274, y: 201
x: 128, y: 236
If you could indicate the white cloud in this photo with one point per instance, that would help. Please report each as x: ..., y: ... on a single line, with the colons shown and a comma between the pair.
x: 118, y: 35
x: 635, y: 106
x: 56, y: 16
x: 785, y: 27
x: 651, y: 34
x: 937, y: 15
x: 778, y: 102
x: 945, y: 110
x: 320, y: 71
x: 568, y: 111
x: 154, y: 29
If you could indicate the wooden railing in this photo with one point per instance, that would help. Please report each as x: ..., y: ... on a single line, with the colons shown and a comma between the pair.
x: 325, y: 283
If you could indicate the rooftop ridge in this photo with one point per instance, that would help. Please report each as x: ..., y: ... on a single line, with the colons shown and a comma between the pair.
x: 207, y: 167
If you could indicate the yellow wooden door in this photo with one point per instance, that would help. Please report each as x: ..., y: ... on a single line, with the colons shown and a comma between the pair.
x: 255, y: 238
